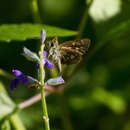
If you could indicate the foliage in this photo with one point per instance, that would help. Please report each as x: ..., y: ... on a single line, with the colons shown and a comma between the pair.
x: 21, y: 32
x: 96, y: 95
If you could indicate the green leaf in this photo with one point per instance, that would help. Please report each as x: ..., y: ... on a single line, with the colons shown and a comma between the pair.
x: 6, y: 104
x: 5, y: 125
x: 114, y: 33
x: 115, y: 102
x: 21, y: 32
x: 6, y: 74
x: 119, y: 30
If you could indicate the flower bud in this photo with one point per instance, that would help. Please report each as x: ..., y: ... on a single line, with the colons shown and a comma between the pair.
x: 31, y: 56
x: 17, y: 73
x: 42, y: 35
x: 55, y: 81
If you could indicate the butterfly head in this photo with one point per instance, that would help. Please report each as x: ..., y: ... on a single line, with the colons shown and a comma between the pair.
x: 54, y: 52
x: 53, y: 43
x: 53, y: 47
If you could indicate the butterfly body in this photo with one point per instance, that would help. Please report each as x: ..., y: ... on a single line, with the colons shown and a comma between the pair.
x: 69, y: 52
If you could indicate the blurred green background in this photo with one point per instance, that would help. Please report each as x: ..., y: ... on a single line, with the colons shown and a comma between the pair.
x: 97, y: 96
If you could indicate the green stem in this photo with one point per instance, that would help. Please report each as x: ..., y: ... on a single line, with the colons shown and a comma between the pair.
x: 42, y: 75
x: 16, y: 122
x: 35, y: 11
x: 84, y: 20
x: 36, y: 16
x: 65, y: 113
x: 83, y: 23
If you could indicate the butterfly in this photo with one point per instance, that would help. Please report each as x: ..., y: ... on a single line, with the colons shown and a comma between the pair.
x: 69, y: 52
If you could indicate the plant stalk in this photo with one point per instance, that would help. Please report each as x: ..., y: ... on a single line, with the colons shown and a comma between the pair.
x: 84, y: 19
x: 42, y: 75
x: 16, y: 122
x: 35, y: 11
x: 82, y: 24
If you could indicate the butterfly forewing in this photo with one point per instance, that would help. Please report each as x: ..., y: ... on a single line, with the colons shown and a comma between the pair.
x: 72, y: 51
x: 79, y: 45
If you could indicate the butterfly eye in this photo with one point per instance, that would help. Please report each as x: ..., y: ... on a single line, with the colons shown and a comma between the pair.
x: 51, y: 44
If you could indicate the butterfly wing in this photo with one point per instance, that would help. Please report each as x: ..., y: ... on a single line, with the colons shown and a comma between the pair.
x: 72, y: 51
x: 81, y: 45
x: 69, y: 56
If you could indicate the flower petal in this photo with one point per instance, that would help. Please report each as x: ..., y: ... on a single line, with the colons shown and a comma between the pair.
x: 23, y: 80
x: 17, y: 73
x: 37, y: 65
x: 49, y: 65
x: 44, y: 54
x: 14, y: 84
x: 60, y: 80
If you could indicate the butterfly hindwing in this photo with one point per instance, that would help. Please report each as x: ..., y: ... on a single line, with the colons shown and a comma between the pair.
x: 69, y: 56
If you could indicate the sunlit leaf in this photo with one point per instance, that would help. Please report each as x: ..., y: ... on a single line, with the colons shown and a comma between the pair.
x: 104, y: 9
x: 111, y: 100
x: 21, y: 32
x: 5, y: 125
x: 7, y: 106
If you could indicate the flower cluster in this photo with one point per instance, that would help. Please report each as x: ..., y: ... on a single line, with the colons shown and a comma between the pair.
x: 22, y: 79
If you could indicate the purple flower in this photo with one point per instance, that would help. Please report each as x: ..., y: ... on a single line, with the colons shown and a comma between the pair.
x: 48, y: 64
x: 21, y: 80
